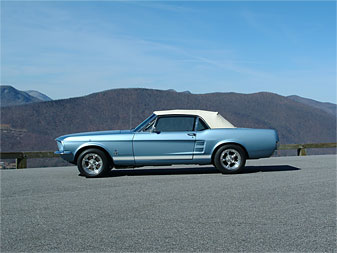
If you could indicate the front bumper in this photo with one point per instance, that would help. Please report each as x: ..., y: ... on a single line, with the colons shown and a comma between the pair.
x: 66, y: 155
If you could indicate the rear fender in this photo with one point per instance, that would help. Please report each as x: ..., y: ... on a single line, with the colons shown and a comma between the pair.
x: 230, y: 141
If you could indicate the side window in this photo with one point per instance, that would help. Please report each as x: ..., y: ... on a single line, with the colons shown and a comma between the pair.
x: 201, y: 125
x: 175, y: 124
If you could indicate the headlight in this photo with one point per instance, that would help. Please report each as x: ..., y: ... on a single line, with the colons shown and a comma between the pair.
x: 60, y: 145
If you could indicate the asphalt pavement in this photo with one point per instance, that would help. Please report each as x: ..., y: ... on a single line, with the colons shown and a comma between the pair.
x: 278, y: 204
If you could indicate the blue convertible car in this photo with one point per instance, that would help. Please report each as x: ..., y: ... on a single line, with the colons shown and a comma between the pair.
x: 169, y: 137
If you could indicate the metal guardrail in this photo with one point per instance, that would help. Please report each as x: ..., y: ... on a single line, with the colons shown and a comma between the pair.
x: 301, y: 148
x: 21, y: 157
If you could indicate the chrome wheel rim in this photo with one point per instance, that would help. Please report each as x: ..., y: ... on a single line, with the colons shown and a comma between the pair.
x: 92, y: 163
x: 230, y: 159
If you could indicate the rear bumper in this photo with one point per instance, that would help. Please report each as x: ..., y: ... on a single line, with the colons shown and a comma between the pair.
x: 66, y: 155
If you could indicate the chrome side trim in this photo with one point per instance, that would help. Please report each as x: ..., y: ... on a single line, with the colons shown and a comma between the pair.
x: 173, y: 157
x: 123, y: 158
x: 202, y: 157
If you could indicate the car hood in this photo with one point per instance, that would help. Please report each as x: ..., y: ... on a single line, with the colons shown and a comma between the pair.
x: 88, y: 134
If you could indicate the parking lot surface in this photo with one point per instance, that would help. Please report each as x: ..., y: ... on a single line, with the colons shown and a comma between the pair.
x: 277, y: 204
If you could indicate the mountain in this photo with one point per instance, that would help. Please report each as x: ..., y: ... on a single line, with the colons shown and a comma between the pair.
x: 38, y: 95
x: 327, y: 107
x: 11, y: 96
x: 35, y: 126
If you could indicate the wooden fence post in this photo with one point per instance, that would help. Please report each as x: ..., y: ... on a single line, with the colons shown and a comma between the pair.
x: 21, y: 163
x: 301, y: 151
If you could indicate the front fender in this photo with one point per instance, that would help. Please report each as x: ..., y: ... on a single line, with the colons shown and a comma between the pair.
x: 92, y: 144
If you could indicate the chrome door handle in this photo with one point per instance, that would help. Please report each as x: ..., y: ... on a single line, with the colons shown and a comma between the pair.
x: 191, y: 134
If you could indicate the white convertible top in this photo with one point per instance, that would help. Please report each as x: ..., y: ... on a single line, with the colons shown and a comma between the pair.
x: 213, y: 119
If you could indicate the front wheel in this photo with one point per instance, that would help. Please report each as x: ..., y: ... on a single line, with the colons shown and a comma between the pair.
x: 93, y: 163
x: 230, y: 159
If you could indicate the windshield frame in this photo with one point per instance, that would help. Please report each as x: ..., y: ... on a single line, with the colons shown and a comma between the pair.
x: 145, y: 123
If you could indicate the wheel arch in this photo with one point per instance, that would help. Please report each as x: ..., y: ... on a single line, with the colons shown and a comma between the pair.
x: 89, y: 146
x: 228, y: 143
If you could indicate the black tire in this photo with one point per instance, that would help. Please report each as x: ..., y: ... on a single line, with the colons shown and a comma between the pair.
x: 230, y: 159
x: 93, y: 162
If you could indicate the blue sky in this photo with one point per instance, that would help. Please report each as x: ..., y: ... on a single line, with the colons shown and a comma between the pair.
x: 68, y: 49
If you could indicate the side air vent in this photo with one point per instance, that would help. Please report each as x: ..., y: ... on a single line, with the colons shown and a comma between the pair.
x: 199, y: 146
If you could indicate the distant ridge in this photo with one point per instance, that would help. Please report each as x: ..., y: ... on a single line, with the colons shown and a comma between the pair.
x: 38, y: 95
x: 327, y: 107
x: 11, y: 96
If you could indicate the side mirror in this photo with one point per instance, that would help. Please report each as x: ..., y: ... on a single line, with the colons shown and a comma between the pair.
x: 154, y: 130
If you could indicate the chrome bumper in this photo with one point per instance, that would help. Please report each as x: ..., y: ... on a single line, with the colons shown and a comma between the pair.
x: 62, y: 152
x: 66, y: 155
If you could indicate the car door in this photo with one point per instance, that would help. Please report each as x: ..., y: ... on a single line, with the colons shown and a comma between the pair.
x: 170, y: 140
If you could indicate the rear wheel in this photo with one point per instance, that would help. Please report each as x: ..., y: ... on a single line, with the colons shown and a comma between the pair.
x: 230, y: 159
x: 93, y: 163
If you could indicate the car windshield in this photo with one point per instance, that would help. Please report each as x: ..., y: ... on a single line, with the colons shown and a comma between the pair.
x: 144, y: 123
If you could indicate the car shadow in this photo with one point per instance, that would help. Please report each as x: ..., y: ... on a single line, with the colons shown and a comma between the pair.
x: 269, y: 168
x: 194, y: 170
